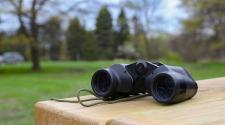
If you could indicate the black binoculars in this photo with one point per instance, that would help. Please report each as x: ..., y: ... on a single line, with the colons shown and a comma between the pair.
x: 167, y: 84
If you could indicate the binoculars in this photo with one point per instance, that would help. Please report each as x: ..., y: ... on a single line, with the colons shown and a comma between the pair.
x: 166, y: 84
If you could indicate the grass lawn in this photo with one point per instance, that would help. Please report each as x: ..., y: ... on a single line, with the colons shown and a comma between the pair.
x: 20, y: 88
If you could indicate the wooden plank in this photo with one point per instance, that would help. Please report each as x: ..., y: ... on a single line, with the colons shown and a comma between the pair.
x: 207, y: 107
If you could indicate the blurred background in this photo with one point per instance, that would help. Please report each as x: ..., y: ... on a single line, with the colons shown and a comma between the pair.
x: 50, y: 48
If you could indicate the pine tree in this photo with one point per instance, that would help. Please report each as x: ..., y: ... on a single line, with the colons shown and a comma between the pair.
x: 138, y: 37
x: 81, y: 44
x: 50, y: 35
x: 75, y: 38
x: 90, y: 50
x: 104, y: 34
x: 137, y: 26
x: 122, y: 33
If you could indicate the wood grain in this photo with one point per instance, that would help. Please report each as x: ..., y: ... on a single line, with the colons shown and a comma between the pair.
x: 206, y: 108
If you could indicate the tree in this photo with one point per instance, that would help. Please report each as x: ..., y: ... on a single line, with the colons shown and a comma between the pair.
x: 90, y: 48
x: 75, y: 37
x: 1, y: 41
x: 51, y: 38
x: 81, y: 44
x: 28, y: 12
x: 138, y: 37
x: 104, y: 34
x: 122, y: 33
x: 205, y: 27
x: 147, y: 9
x: 31, y: 28
x: 138, y: 28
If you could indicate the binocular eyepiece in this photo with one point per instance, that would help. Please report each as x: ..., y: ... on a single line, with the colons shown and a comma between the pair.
x: 167, y: 84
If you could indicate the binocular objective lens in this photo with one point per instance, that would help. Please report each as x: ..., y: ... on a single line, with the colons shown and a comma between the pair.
x: 164, y: 87
x: 101, y: 81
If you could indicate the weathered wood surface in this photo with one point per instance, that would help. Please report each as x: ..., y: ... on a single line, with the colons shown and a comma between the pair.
x: 206, y: 108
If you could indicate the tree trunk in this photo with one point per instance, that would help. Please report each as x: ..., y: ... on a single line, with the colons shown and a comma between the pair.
x: 35, y: 57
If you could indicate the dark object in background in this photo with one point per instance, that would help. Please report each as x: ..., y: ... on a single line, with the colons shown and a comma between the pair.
x: 167, y: 84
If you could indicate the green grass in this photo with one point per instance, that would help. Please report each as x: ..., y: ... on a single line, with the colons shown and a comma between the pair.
x: 20, y: 88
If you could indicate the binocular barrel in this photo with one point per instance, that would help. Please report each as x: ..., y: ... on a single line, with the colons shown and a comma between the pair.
x: 167, y: 84
x: 170, y: 84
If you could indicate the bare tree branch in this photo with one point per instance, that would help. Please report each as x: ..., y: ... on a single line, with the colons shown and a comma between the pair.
x: 41, y: 5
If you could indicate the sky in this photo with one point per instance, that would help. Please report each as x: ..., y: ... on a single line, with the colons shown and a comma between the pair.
x: 173, y: 13
x: 169, y: 10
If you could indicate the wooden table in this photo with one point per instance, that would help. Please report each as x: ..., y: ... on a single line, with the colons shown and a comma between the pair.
x: 206, y: 108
